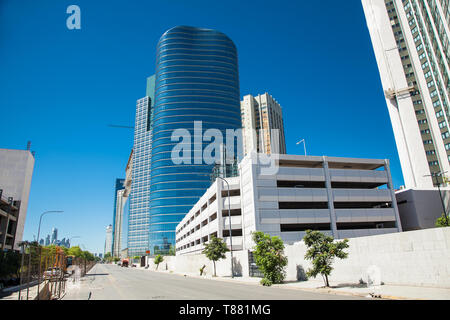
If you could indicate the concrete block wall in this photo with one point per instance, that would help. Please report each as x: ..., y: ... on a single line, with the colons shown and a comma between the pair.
x: 419, y: 258
x: 191, y: 264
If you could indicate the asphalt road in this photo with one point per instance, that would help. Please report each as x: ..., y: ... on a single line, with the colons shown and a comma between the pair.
x: 111, y: 282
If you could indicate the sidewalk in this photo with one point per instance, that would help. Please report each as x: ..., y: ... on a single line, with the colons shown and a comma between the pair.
x: 393, y: 292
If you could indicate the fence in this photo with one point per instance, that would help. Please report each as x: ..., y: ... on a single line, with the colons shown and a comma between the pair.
x: 43, y: 271
x: 40, y: 273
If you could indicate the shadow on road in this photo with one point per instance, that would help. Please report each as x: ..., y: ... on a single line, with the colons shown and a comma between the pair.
x: 97, y: 274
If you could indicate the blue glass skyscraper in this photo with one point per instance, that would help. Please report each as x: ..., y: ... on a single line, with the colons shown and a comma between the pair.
x: 197, y: 79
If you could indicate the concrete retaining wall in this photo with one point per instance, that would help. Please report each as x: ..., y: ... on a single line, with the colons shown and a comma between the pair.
x: 192, y: 264
x: 420, y: 258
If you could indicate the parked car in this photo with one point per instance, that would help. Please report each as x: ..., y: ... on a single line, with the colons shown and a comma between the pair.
x: 52, y: 273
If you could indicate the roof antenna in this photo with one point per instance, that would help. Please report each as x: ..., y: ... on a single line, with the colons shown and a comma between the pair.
x: 29, y: 145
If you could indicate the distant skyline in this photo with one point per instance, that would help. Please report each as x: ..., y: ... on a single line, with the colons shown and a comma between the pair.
x: 61, y: 89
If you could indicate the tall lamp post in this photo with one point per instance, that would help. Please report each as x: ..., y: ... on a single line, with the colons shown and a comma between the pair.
x: 435, y: 175
x: 40, y: 220
x: 229, y: 225
x: 39, y: 232
x: 304, y: 144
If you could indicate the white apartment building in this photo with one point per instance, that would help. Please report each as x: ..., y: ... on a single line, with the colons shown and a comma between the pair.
x: 16, y: 172
x: 121, y: 200
x: 108, y: 240
x: 411, y: 43
x: 343, y: 197
x: 261, y: 117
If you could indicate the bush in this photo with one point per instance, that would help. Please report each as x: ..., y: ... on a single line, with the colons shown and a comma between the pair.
x: 270, y: 258
x: 266, y: 282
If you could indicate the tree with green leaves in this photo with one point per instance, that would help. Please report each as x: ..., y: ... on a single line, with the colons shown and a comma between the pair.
x: 443, y: 221
x: 171, y: 250
x: 75, y: 251
x: 215, y: 250
x: 270, y: 258
x: 322, y: 250
x: 158, y: 259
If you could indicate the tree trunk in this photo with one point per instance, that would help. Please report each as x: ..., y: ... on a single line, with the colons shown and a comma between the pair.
x: 157, y: 266
x: 326, y: 281
x: 214, y: 268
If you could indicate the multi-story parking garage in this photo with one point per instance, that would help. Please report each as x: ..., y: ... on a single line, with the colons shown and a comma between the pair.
x: 343, y: 197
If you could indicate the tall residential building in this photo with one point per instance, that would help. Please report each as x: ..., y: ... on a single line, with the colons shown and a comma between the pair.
x: 262, y: 125
x: 117, y: 214
x: 108, y: 239
x: 16, y: 171
x: 197, y: 89
x: 411, y: 43
x: 138, y: 217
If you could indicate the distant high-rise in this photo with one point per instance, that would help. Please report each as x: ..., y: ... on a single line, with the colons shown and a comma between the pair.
x: 262, y: 125
x: 411, y: 43
x: 16, y: 171
x: 108, y: 240
x: 54, y: 236
x: 47, y: 240
x: 118, y: 216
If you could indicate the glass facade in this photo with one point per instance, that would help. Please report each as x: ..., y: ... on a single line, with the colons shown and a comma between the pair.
x: 196, y: 80
x: 138, y: 216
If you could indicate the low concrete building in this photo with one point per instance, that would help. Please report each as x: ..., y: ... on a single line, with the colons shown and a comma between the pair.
x: 16, y: 171
x: 343, y: 197
x: 9, y: 217
x: 420, y: 208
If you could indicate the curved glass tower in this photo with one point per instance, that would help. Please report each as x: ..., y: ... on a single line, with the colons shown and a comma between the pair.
x: 196, y: 81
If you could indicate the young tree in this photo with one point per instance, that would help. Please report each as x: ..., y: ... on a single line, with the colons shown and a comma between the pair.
x: 443, y: 221
x: 322, y: 250
x: 158, y: 259
x: 215, y: 250
x: 75, y: 251
x: 270, y: 258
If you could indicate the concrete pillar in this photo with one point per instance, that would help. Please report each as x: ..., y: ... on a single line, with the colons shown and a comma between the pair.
x: 393, y: 198
x: 330, y: 197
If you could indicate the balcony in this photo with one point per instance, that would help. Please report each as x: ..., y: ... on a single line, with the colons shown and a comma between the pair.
x: 237, y: 242
x: 236, y: 222
x: 365, y: 215
x: 362, y: 195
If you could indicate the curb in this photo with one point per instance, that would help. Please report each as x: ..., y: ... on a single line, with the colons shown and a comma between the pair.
x: 282, y: 286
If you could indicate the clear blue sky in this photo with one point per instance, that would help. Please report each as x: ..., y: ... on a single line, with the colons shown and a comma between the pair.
x: 60, y: 89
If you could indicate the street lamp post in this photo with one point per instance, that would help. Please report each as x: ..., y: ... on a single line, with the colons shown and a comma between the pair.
x: 229, y: 226
x: 304, y: 144
x: 40, y: 249
x: 435, y: 175
x: 40, y: 220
